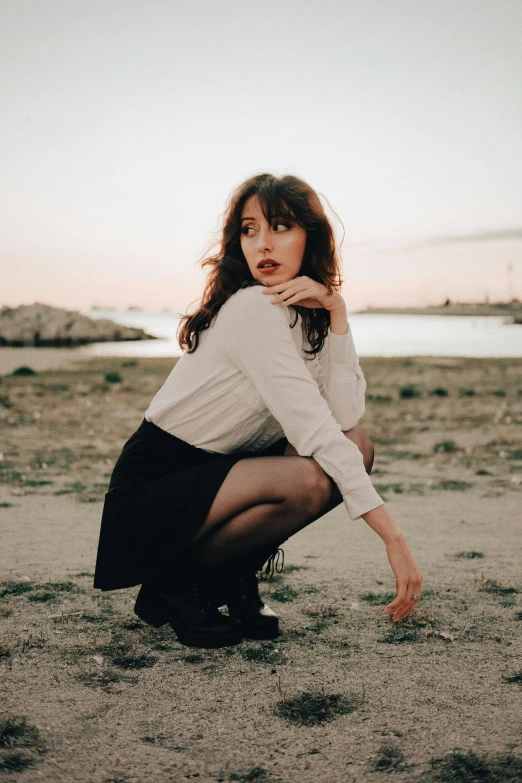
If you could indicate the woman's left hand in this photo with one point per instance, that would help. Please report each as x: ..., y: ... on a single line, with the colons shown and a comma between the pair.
x: 305, y: 292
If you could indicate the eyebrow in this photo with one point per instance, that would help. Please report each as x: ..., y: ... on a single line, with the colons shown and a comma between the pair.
x: 281, y: 217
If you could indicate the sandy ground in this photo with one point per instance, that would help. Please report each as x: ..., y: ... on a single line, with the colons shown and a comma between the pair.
x: 114, y: 700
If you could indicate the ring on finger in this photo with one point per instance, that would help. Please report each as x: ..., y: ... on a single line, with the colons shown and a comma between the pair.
x: 414, y: 596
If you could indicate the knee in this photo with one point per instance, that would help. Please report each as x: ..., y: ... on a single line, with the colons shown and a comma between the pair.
x: 315, y: 487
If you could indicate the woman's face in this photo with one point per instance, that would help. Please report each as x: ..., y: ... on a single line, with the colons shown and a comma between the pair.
x: 278, y: 242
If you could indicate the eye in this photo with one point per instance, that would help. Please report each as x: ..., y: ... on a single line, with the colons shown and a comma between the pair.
x: 281, y: 224
x: 245, y: 230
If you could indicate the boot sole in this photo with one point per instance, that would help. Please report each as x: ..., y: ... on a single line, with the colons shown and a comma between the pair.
x: 153, y: 614
x: 260, y: 633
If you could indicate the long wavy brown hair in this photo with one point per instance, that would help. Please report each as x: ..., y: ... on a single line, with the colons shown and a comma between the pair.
x: 288, y: 197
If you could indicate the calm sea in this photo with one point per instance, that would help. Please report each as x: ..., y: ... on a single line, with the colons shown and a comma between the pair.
x: 374, y: 335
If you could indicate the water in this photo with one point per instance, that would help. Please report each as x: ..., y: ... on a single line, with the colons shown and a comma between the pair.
x: 374, y: 335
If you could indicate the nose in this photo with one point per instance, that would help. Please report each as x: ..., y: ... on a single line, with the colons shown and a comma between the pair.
x: 264, y: 239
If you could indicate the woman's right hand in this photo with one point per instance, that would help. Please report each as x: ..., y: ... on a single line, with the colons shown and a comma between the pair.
x: 408, y: 578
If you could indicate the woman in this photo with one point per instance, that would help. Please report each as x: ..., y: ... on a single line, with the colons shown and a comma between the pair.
x: 252, y: 436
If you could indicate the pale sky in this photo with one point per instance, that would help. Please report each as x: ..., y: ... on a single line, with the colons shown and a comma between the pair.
x: 126, y: 124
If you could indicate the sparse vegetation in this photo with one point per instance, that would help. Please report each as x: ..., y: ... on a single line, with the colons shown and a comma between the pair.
x: 445, y: 446
x: 255, y: 773
x: 136, y: 661
x: 517, y: 677
x: 378, y: 598
x: 15, y: 733
x: 23, y: 371
x: 439, y: 391
x: 468, y: 767
x: 408, y: 392
x: 104, y: 678
x: 383, y: 488
x: 400, y: 633
x: 113, y: 377
x: 265, y: 652
x: 16, y: 762
x: 329, y: 631
x: 492, y: 586
x: 15, y: 588
x: 388, y: 758
x: 313, y: 707
x: 452, y: 484
x: 284, y: 594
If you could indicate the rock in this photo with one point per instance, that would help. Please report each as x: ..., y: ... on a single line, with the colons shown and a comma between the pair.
x: 42, y: 325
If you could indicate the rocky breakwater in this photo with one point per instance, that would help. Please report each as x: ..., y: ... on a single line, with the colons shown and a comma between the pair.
x: 43, y: 325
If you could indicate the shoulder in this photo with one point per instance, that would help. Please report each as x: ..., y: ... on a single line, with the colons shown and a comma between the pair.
x: 252, y: 303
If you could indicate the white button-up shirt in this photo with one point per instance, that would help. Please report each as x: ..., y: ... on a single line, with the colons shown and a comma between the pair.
x: 249, y: 382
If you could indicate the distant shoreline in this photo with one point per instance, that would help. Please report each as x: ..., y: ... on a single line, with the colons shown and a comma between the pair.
x: 506, y: 309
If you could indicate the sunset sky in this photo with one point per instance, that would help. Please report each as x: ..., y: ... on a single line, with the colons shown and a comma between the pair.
x: 126, y: 124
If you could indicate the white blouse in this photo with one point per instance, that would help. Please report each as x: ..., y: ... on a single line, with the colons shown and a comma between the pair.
x: 249, y: 382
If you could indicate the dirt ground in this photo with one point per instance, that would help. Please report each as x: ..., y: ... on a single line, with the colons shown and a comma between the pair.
x: 91, y: 694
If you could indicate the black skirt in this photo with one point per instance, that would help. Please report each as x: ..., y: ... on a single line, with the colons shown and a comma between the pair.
x: 160, y: 493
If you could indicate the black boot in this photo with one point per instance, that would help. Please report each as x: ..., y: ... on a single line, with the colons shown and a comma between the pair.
x: 187, y: 600
x: 257, y: 620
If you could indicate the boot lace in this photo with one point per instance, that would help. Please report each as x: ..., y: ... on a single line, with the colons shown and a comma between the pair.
x: 275, y: 563
x: 202, y: 596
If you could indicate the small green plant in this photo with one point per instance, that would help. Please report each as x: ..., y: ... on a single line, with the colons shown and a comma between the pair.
x: 468, y: 767
x: 383, y: 488
x: 498, y: 392
x: 15, y: 732
x: 514, y: 678
x: 400, y: 633
x: 16, y: 762
x: 23, y: 371
x: 50, y: 591
x: 439, y: 391
x: 256, y: 773
x: 467, y: 392
x: 6, y: 505
x: 105, y: 678
x: 472, y: 555
x: 388, y: 758
x: 134, y: 661
x: 382, y: 399
x: 42, y: 597
x: 129, y: 363
x: 113, y: 377
x: 284, y: 594
x: 314, y: 707
x: 452, y: 484
x: 72, y: 487
x: 5, y: 401
x: 193, y: 658
x: 378, y: 598
x: 492, y: 586
x: 15, y: 588
x: 408, y: 392
x: 517, y: 454
x: 445, y: 446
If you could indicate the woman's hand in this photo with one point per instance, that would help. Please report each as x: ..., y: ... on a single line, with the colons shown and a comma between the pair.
x: 306, y: 292
x: 408, y: 578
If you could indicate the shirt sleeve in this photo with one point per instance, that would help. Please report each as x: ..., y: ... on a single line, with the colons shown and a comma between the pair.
x: 344, y: 385
x: 258, y: 341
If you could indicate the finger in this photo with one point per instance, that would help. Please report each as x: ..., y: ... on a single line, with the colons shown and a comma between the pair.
x: 403, y: 604
x: 292, y: 299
